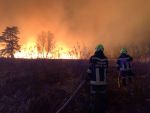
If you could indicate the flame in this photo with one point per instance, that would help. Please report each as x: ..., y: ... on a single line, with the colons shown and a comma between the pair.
x: 64, y: 52
x: 29, y: 51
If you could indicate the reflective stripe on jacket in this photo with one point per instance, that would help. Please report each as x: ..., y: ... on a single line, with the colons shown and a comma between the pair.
x: 98, y: 67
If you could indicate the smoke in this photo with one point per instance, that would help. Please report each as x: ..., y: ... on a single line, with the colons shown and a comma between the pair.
x: 111, y: 22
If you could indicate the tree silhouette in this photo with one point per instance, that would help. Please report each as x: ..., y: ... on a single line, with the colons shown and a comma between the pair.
x: 10, y: 40
x: 45, y: 43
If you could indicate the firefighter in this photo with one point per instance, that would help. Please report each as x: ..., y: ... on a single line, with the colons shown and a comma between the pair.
x: 125, y: 69
x: 97, y: 71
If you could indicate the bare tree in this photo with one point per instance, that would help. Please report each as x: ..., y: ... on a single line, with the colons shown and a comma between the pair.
x: 10, y: 39
x: 45, y: 44
x: 41, y: 40
x: 50, y: 45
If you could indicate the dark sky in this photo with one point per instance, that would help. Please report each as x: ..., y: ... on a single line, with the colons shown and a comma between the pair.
x: 110, y: 22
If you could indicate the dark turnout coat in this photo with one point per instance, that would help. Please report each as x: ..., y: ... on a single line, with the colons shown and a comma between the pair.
x: 124, y: 64
x: 97, y: 71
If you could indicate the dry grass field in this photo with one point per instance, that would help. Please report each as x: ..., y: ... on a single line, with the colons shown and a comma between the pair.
x: 42, y: 86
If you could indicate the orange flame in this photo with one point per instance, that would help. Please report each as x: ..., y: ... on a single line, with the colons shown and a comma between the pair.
x: 29, y: 51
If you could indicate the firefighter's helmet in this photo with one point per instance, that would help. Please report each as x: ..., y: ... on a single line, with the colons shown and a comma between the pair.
x: 124, y: 50
x: 99, y: 47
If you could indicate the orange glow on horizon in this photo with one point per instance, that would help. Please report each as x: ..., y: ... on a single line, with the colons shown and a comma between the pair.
x: 29, y: 51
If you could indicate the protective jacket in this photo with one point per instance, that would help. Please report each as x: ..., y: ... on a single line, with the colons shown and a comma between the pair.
x: 97, y: 71
x: 124, y: 64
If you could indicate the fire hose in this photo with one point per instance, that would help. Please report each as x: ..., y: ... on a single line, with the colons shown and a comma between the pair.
x: 71, y: 97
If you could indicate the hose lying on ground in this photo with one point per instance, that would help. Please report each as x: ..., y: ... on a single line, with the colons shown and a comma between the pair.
x: 71, y: 97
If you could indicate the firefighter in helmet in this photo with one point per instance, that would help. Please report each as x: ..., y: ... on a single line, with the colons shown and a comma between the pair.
x: 97, y: 71
x: 125, y: 70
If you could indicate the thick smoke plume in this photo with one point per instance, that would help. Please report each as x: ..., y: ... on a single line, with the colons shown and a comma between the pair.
x: 113, y: 22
